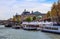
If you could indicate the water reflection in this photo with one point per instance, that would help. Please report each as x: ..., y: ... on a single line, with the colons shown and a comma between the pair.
x: 9, y: 33
x: 3, y: 37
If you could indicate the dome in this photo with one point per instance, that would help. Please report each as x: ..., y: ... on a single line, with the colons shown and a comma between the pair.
x: 36, y: 13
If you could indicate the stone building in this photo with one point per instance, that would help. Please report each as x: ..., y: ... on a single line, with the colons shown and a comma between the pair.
x: 26, y: 14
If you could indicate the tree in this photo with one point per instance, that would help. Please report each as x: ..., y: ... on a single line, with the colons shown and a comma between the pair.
x: 48, y: 14
x: 14, y: 19
x: 18, y: 19
x: 29, y: 19
x: 34, y: 18
x: 55, y: 12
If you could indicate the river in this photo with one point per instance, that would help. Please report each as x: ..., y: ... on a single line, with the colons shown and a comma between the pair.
x: 9, y: 33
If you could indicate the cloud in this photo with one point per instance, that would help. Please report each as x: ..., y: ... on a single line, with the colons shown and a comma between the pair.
x: 35, y: 0
x: 5, y: 6
x: 31, y: 6
x: 8, y: 8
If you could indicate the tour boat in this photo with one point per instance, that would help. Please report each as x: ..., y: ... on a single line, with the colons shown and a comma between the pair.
x: 50, y: 27
x: 30, y: 27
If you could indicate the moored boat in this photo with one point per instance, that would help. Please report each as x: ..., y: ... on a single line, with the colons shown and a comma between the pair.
x: 29, y: 27
x: 8, y: 25
x: 50, y: 27
x: 16, y: 27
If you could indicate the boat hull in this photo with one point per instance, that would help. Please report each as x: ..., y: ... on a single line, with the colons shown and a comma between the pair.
x: 16, y: 27
x: 8, y: 25
x: 50, y: 32
x: 30, y: 29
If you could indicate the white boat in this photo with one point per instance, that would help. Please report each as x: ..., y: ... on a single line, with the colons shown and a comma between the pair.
x: 30, y: 27
x: 50, y: 27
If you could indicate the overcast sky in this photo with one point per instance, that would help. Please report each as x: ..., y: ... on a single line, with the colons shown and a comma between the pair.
x: 8, y: 8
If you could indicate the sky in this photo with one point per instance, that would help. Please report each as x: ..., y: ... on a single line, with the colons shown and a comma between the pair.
x: 8, y: 8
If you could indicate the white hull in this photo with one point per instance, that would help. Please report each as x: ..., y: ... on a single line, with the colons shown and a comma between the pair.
x: 50, y: 28
x: 55, y: 31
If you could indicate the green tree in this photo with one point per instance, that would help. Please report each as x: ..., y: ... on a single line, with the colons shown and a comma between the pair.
x: 48, y: 14
x: 29, y: 19
x: 34, y: 18
x: 18, y: 19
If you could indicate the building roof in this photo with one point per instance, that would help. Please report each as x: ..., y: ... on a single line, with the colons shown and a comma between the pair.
x: 36, y: 13
x: 26, y: 13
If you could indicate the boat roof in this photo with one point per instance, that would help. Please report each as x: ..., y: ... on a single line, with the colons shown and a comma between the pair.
x: 36, y: 23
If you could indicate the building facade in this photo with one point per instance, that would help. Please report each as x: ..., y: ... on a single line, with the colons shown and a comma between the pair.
x: 26, y: 14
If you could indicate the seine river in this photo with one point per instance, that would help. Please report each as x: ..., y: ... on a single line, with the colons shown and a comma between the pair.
x: 9, y: 33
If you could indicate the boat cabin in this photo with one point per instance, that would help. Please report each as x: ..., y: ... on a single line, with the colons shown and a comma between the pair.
x: 30, y: 24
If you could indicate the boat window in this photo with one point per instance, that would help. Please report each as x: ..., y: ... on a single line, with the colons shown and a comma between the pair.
x: 51, y: 28
x: 54, y: 28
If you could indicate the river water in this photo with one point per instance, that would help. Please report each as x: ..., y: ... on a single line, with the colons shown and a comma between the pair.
x: 9, y: 33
